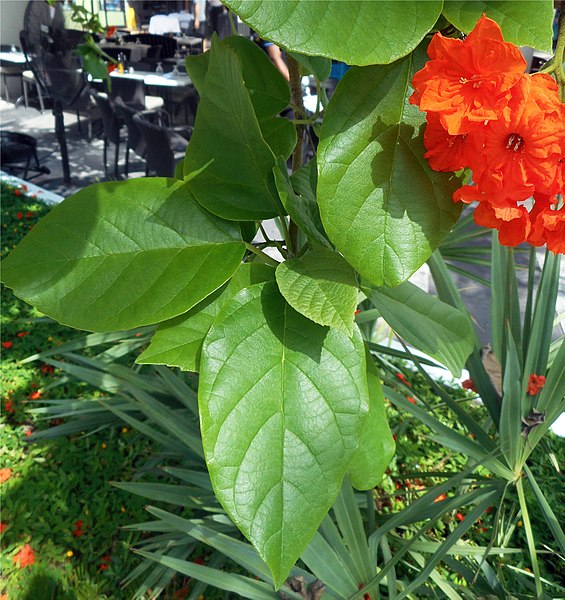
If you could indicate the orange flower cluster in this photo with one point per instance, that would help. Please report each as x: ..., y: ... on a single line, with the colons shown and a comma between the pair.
x: 508, y: 127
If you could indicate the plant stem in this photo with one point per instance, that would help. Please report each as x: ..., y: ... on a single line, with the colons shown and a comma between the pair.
x: 556, y: 67
x: 529, y: 536
x: 265, y: 257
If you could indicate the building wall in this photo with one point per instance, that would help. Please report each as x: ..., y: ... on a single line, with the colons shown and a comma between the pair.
x: 11, y: 23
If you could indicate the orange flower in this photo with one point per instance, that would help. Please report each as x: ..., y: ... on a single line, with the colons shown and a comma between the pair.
x: 522, y: 148
x: 7, y: 345
x: 468, y: 384
x: 35, y: 395
x: 25, y: 557
x: 5, y: 474
x: 3, y: 527
x: 548, y: 226
x: 447, y: 152
x: 467, y: 82
x: 535, y: 384
x: 512, y: 222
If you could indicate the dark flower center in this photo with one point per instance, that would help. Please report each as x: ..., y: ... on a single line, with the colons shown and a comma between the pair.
x: 515, y: 142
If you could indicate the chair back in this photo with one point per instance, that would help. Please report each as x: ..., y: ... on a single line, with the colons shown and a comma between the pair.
x: 130, y: 91
x: 110, y: 120
x: 159, y: 154
x: 136, y: 141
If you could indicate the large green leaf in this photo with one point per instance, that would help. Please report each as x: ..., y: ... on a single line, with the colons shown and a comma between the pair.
x: 321, y: 286
x: 280, y: 134
x: 238, y: 183
x: 268, y: 89
x: 428, y: 324
x: 524, y: 23
x: 376, y: 444
x: 178, y: 342
x: 282, y: 401
x: 356, y: 32
x: 381, y: 204
x: 301, y: 206
x: 120, y: 255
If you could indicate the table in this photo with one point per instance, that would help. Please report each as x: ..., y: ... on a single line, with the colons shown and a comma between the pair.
x: 137, y: 51
x: 13, y: 58
x: 164, y: 83
x: 191, y: 42
x: 162, y: 80
x: 12, y: 64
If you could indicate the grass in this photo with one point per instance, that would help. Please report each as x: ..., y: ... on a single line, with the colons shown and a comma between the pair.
x: 51, y: 487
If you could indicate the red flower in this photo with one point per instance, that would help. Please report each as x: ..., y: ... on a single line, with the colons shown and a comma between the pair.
x: 111, y: 67
x: 29, y: 214
x: 8, y: 406
x: 5, y: 474
x: 512, y: 222
x: 440, y: 498
x: 535, y: 384
x: 77, y: 531
x: 17, y: 193
x: 467, y: 82
x: 35, y: 395
x: 47, y: 369
x: 410, y: 399
x: 3, y: 527
x: 22, y: 333
x: 468, y: 384
x: 459, y: 516
x: 403, y: 379
x: 105, y: 560
x: 20, y: 215
x: 199, y: 560
x: 25, y: 557
x: 7, y: 345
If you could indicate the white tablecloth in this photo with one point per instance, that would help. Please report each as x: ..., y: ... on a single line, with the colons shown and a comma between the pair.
x: 160, y: 24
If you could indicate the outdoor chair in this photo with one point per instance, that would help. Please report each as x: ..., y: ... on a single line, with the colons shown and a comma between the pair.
x: 132, y: 93
x: 165, y: 146
x: 19, y: 155
x: 113, y: 130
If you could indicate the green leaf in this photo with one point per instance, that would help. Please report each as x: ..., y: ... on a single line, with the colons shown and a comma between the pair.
x: 425, y: 322
x: 381, y: 204
x: 376, y: 444
x: 238, y: 184
x: 120, y: 255
x: 282, y: 401
x: 321, y: 286
x: 524, y: 23
x: 280, y: 134
x: 318, y: 66
x: 178, y: 342
x: 355, y: 32
x: 268, y: 89
x: 302, y: 207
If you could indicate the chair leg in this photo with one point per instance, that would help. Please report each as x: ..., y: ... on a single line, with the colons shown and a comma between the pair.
x: 78, y: 122
x: 40, y: 96
x: 127, y: 161
x: 5, y: 82
x: 105, y: 158
x: 26, y: 100
x: 116, y: 156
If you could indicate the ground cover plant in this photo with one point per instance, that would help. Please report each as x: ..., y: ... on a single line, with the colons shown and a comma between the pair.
x: 59, y: 515
x: 291, y: 390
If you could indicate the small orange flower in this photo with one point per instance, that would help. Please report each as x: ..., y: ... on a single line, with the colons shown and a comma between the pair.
x: 440, y: 498
x: 35, y: 395
x: 22, y: 333
x: 535, y: 384
x: 7, y: 345
x: 25, y: 557
x: 403, y: 379
x: 3, y: 527
x: 5, y: 474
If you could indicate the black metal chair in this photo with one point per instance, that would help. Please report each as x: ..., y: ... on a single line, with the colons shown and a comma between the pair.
x: 19, y: 155
x: 165, y: 146
x: 132, y: 93
x: 113, y: 130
